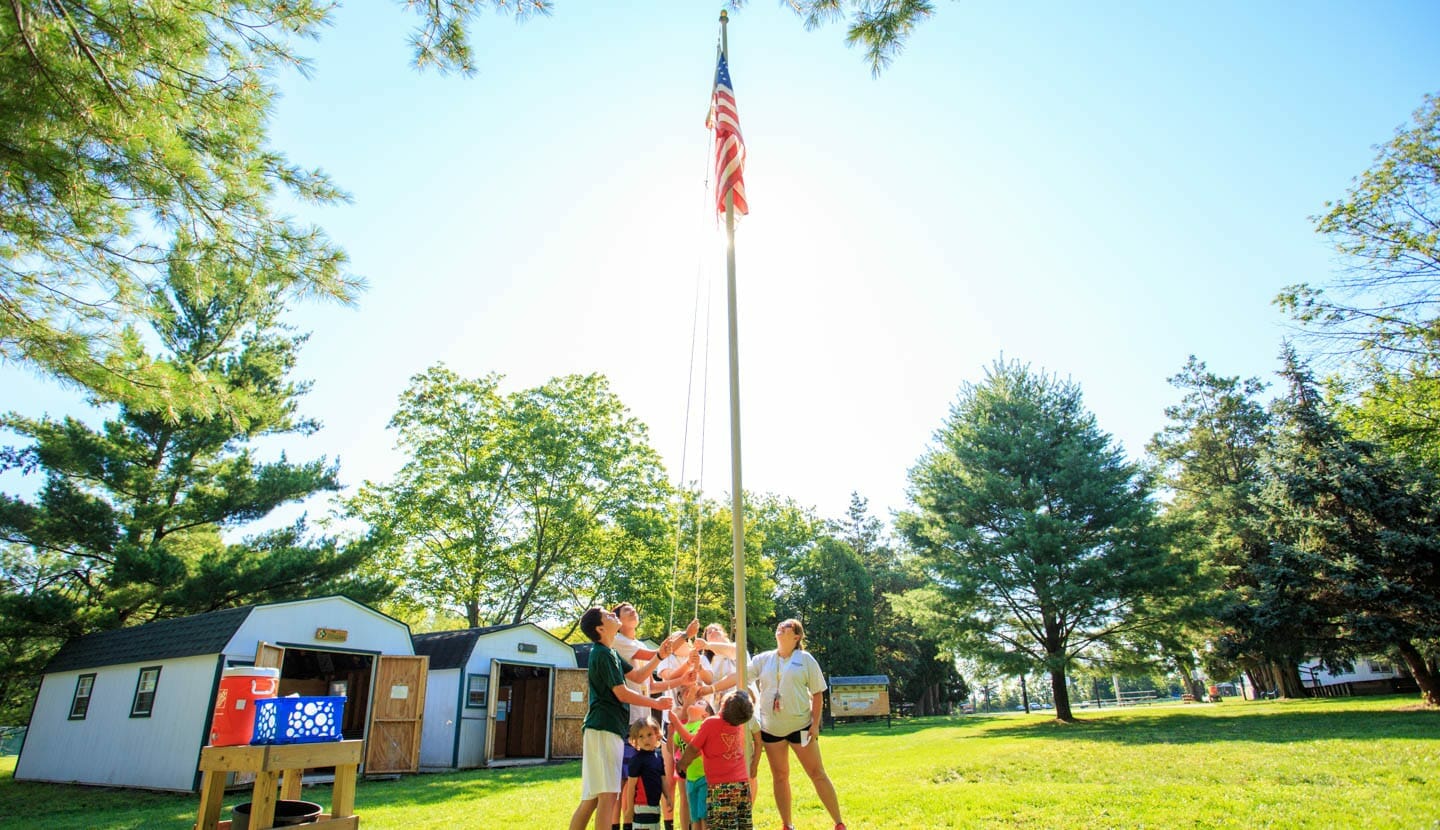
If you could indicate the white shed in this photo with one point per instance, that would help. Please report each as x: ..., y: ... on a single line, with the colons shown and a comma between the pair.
x: 1366, y: 676
x: 132, y: 707
x: 506, y: 694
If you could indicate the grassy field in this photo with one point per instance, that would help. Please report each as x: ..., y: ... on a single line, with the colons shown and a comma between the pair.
x: 1360, y: 762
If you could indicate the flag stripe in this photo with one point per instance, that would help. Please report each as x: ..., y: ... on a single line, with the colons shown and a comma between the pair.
x: 729, y: 145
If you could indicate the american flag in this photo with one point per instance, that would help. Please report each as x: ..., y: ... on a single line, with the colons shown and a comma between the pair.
x: 729, y: 146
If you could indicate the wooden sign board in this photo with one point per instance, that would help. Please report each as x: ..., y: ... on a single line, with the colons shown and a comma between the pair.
x: 859, y: 701
x: 332, y: 635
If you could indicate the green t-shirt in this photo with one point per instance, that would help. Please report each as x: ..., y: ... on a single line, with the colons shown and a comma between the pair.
x: 606, y: 671
x: 696, y: 770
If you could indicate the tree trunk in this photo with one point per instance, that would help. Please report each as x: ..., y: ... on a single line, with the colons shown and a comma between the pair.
x: 1425, y: 675
x: 1253, y: 676
x: 1187, y: 677
x: 1062, y: 695
x: 1290, y: 684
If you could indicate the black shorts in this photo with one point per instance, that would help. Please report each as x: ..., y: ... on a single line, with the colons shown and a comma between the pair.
x: 793, y: 737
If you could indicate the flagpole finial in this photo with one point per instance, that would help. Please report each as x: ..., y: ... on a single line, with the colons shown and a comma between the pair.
x: 724, y: 16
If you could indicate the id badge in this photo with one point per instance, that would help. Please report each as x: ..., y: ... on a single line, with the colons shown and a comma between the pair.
x: 775, y: 702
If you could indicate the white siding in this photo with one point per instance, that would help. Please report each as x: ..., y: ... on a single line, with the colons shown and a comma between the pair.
x: 1361, y: 669
x: 296, y: 623
x: 111, y: 748
x: 445, y: 710
x: 505, y: 647
x: 437, y: 737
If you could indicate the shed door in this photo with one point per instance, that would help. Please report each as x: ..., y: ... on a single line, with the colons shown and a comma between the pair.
x: 268, y: 655
x: 495, y: 706
x: 396, y: 714
x: 572, y: 687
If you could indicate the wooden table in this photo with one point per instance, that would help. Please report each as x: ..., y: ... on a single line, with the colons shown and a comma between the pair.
x: 282, y: 765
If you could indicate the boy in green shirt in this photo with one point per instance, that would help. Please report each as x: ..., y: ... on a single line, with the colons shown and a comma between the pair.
x: 608, y: 721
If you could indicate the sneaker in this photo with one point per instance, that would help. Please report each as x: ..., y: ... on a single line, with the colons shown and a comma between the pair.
x: 840, y: 826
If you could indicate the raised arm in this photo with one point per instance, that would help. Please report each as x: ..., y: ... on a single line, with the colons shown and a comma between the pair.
x: 625, y: 695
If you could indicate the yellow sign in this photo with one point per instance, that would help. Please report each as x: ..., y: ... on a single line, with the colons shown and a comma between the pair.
x: 331, y: 635
x: 859, y: 701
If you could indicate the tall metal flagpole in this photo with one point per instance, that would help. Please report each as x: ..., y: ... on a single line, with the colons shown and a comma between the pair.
x: 737, y: 494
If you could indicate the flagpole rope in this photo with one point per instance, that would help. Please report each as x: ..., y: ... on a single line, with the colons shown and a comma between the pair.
x: 701, y: 282
x: 684, y: 454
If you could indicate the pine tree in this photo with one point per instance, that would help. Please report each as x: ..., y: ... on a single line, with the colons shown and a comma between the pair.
x: 1357, y: 537
x: 1041, y: 540
x: 136, y: 520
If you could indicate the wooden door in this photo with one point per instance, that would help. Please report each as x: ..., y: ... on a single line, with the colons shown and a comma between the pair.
x: 269, y: 656
x: 396, y: 714
x: 571, y: 702
x: 535, y: 716
x: 493, y: 699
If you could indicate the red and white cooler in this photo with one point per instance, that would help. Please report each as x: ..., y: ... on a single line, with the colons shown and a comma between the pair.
x: 233, y: 722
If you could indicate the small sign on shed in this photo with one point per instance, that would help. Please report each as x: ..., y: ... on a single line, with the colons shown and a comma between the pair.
x: 861, y: 696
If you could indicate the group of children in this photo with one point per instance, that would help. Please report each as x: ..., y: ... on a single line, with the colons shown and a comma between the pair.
x: 704, y: 773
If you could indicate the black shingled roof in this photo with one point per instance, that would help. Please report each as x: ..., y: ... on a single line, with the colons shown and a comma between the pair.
x: 162, y: 640
x: 451, y: 649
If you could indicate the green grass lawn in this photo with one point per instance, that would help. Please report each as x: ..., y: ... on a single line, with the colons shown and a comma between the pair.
x: 1359, y: 762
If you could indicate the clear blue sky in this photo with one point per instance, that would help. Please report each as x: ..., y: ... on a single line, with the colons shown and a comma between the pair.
x: 1097, y: 189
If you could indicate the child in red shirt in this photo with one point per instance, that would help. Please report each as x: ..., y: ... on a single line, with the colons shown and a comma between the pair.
x: 720, y: 741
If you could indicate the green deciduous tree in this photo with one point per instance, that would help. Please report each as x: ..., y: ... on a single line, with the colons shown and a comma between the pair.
x: 1040, y: 537
x: 921, y: 668
x: 134, y: 520
x: 533, y: 504
x: 704, y: 586
x: 1382, y: 315
x: 830, y: 590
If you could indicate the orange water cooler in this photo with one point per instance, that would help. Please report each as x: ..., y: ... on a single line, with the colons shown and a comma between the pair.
x: 233, y: 722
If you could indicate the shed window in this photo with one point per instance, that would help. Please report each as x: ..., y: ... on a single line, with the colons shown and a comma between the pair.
x: 80, y: 704
x: 477, y: 689
x: 145, y: 692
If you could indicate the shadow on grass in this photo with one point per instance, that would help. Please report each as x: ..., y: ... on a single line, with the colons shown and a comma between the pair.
x: 1259, y: 726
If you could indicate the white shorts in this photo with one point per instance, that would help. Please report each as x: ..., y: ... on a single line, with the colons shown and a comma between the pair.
x: 600, y: 763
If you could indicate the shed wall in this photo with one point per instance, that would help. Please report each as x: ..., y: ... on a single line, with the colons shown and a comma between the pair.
x: 298, y: 622
x: 111, y: 748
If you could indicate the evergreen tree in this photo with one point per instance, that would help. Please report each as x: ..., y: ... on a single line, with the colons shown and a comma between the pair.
x: 135, y: 141
x: 1040, y: 538
x: 1357, y: 536
x: 135, y: 520
x: 1209, y: 457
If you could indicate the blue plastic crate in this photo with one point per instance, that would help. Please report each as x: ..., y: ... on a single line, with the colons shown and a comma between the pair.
x: 298, y: 720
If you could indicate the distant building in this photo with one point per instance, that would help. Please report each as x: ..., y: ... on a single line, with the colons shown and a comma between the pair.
x: 1365, y: 676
